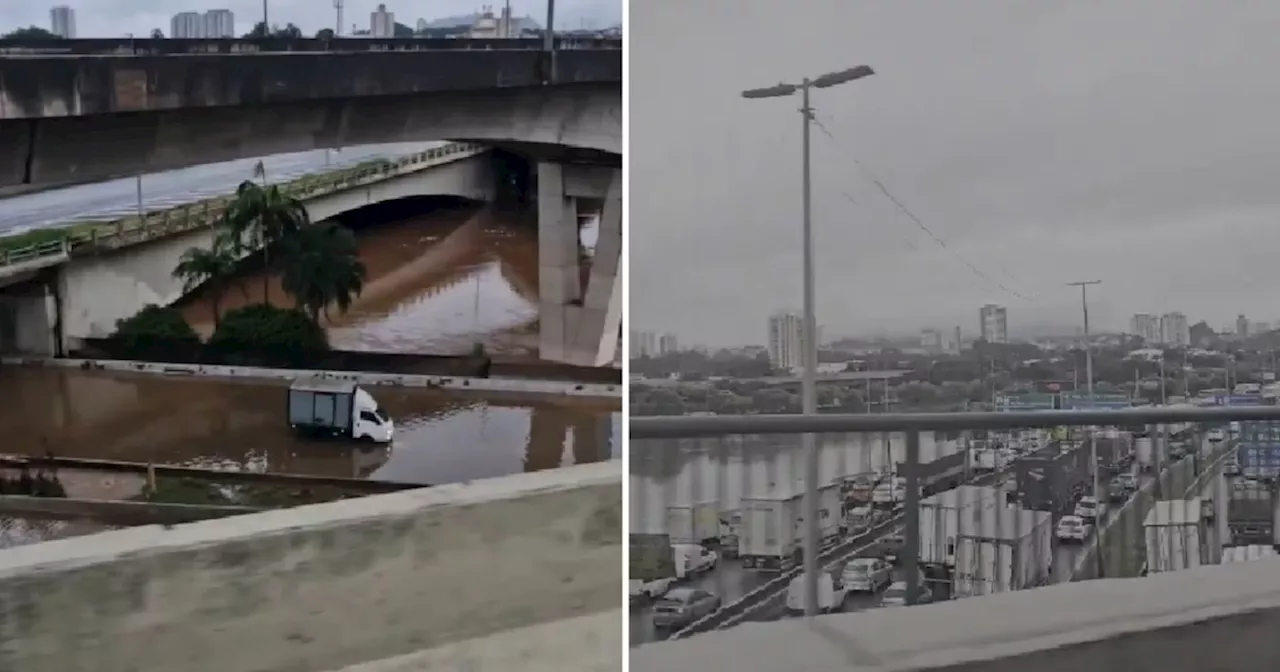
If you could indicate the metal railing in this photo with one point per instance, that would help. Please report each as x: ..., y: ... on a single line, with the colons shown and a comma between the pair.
x: 132, y: 230
x: 184, y: 46
x: 945, y: 506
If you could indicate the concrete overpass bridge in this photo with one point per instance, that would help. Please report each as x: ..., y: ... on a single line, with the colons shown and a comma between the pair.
x: 75, y: 118
x: 58, y: 294
x: 169, y: 46
x: 1220, y: 617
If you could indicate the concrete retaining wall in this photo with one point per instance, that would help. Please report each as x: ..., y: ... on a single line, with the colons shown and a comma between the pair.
x: 507, y: 385
x: 319, y: 587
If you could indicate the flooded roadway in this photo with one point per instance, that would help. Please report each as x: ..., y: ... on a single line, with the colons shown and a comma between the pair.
x: 441, y: 436
x: 441, y: 279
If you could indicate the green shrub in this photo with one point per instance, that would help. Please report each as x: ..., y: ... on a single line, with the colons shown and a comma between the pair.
x: 278, y: 334
x: 155, y: 332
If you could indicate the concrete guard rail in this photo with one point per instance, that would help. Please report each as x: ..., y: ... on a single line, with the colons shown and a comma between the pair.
x: 325, y: 586
x: 133, y: 230
x: 183, y: 46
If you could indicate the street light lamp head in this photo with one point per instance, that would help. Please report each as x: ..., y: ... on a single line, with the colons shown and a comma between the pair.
x: 778, y: 91
x: 835, y: 78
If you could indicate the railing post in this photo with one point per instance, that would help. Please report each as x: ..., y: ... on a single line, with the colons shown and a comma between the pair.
x: 911, y: 531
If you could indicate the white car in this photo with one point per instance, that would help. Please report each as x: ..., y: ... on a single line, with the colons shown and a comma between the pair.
x: 693, y: 559
x: 1216, y: 435
x: 648, y: 591
x: 867, y: 575
x: 1087, y: 508
x: 1073, y: 529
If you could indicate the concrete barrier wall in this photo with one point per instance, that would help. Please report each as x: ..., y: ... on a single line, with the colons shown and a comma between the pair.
x: 1221, y: 618
x: 319, y: 587
x: 1122, y: 542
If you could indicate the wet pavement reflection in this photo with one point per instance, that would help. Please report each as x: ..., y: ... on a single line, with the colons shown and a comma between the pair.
x: 441, y: 436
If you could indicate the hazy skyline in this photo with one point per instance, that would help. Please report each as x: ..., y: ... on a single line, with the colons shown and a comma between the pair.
x: 116, y: 18
x: 1131, y: 142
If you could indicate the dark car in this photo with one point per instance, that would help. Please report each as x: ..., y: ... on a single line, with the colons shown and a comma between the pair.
x: 681, y: 607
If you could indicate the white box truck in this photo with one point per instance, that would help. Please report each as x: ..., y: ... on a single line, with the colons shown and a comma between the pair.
x: 694, y: 524
x: 999, y: 553
x: 1175, y: 535
x: 329, y: 407
x: 1144, y: 453
x: 940, y: 519
x: 772, y: 529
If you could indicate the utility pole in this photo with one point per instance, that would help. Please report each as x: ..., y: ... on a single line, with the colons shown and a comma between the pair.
x: 809, y: 390
x: 1088, y: 374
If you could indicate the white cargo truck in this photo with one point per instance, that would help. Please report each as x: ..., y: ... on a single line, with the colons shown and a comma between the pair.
x: 998, y: 553
x: 941, y: 519
x: 1176, y: 536
x: 1144, y: 453
x: 329, y: 407
x: 772, y: 528
x: 694, y: 523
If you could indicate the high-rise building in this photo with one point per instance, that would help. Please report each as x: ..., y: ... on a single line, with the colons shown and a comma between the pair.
x: 993, y: 321
x: 643, y: 344
x: 219, y: 23
x: 1174, y: 330
x: 667, y: 344
x: 1147, y: 327
x: 786, y: 340
x: 186, y: 25
x: 1242, y: 326
x: 931, y: 340
x: 382, y: 23
x: 63, y: 20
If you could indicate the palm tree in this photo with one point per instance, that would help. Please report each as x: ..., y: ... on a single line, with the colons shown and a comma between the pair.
x: 213, y: 266
x: 262, y: 216
x: 321, y: 267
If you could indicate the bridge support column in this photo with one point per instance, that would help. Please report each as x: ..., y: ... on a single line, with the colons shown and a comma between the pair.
x: 28, y: 313
x: 574, y: 327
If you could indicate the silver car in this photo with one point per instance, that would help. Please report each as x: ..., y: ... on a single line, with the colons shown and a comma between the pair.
x: 867, y: 575
x: 680, y: 607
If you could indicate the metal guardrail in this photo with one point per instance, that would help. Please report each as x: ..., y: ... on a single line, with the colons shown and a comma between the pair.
x: 231, y: 46
x: 689, y: 437
x: 128, y: 231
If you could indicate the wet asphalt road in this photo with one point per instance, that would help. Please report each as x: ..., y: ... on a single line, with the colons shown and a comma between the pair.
x: 730, y: 581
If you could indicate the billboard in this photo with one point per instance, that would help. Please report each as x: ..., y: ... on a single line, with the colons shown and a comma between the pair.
x: 1259, y: 453
x: 1081, y: 400
x: 1026, y: 401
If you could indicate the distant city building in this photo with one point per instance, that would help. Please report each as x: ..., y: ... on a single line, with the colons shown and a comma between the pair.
x: 1147, y: 327
x: 786, y: 340
x: 994, y: 323
x: 1174, y: 330
x: 931, y: 340
x: 667, y: 344
x: 63, y: 20
x: 213, y: 24
x: 186, y: 25
x: 382, y: 23
x: 219, y: 23
x: 644, y: 343
x: 488, y: 26
x: 1259, y: 328
x: 1242, y: 326
x: 421, y: 25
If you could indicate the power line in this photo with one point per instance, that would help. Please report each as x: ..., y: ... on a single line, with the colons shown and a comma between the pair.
x: 917, y: 221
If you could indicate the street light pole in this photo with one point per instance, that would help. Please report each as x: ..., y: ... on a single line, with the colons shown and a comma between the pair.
x: 549, y: 40
x: 808, y: 384
x: 1093, y: 443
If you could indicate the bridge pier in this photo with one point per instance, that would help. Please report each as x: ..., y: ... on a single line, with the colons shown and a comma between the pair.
x: 29, y: 318
x: 577, y: 325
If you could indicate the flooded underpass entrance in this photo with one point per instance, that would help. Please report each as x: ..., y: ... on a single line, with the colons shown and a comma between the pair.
x: 443, y: 275
x: 441, y: 436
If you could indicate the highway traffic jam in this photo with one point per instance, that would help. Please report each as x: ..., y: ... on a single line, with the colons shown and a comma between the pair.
x: 998, y: 511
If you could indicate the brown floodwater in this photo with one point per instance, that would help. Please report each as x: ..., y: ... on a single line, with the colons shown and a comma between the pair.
x: 441, y: 436
x: 438, y: 282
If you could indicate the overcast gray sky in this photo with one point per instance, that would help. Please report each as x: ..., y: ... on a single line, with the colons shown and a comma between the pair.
x: 115, y: 18
x: 1131, y: 141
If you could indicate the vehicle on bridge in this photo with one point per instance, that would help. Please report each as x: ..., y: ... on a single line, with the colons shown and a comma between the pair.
x: 772, y: 531
x: 831, y: 594
x: 325, y: 407
x: 681, y: 607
